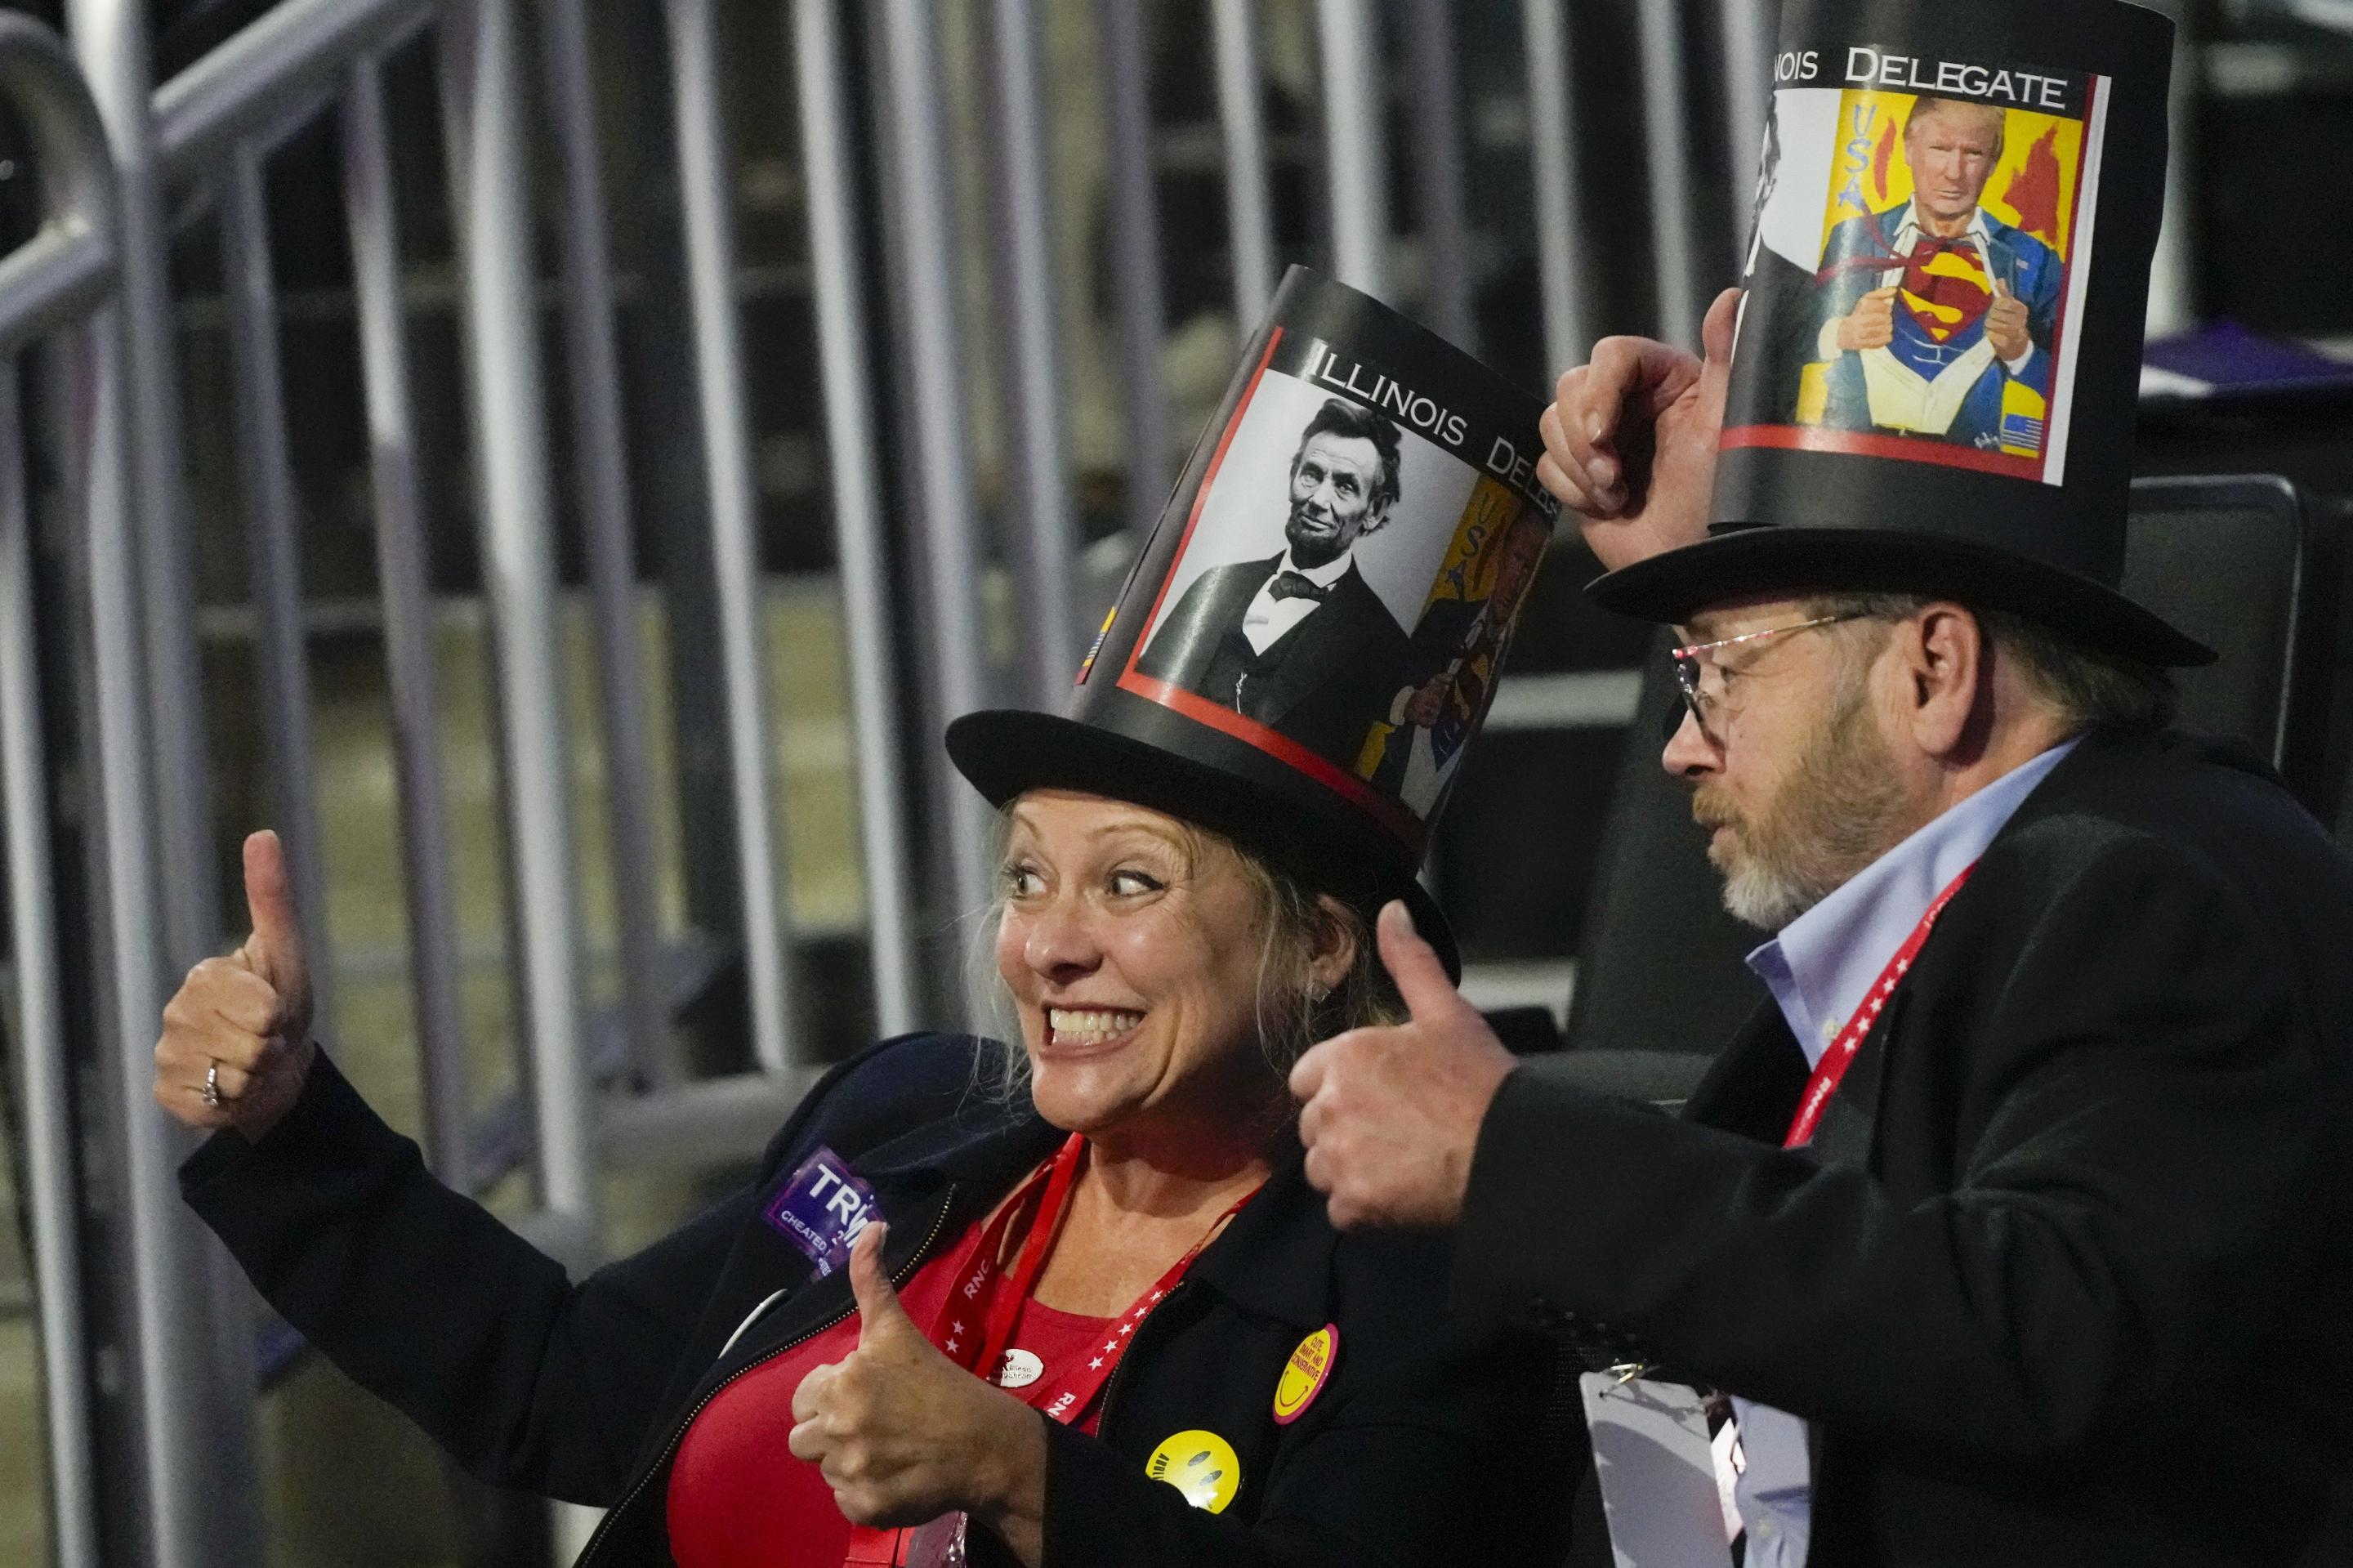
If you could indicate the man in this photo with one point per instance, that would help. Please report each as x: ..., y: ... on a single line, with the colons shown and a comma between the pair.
x: 1457, y: 648
x: 2059, y: 1270
x: 1929, y: 309
x: 1300, y: 642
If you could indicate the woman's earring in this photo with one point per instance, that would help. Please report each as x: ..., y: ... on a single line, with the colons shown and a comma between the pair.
x: 1317, y: 992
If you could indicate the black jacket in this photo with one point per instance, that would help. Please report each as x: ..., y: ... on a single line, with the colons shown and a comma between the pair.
x: 1418, y: 1450
x: 2068, y: 1277
x: 1323, y: 684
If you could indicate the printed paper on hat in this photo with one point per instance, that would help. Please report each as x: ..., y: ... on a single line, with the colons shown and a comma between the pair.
x: 2011, y: 152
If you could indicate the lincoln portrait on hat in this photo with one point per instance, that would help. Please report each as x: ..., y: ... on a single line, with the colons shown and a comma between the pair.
x: 1927, y: 308
x: 1299, y: 641
x: 2001, y: 1223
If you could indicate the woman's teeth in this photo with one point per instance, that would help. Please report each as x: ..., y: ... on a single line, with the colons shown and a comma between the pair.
x: 1086, y: 1024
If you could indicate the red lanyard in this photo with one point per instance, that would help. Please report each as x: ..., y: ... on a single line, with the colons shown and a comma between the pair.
x: 989, y: 1300
x: 1831, y: 1068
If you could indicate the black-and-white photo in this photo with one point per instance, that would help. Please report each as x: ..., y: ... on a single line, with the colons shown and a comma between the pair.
x: 1313, y: 553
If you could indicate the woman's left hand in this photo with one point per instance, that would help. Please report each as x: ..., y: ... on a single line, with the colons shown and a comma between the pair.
x: 904, y: 1435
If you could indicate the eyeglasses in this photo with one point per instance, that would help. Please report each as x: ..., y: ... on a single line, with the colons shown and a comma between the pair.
x: 1701, y: 677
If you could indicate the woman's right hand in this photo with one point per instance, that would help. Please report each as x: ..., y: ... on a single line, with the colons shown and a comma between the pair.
x: 246, y: 1017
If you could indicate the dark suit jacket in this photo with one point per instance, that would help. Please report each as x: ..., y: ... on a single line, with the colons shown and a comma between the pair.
x: 1420, y: 1449
x: 1323, y: 683
x: 2068, y: 1277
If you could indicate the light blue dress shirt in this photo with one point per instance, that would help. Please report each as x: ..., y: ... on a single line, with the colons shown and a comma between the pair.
x: 1821, y: 969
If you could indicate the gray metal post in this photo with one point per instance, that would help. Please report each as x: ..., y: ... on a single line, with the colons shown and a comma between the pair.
x: 1356, y: 142
x: 1748, y: 33
x: 429, y: 896
x: 193, y: 1353
x: 110, y: 38
x: 839, y: 273
x: 706, y: 184
x: 1135, y: 258
x: 1565, y: 287
x: 1666, y: 96
x: 481, y: 89
x: 1250, y: 216
x: 46, y: 1090
x: 273, y: 558
x: 1438, y: 169
x: 601, y: 478
x: 925, y: 277
x: 2173, y: 271
x: 1043, y: 533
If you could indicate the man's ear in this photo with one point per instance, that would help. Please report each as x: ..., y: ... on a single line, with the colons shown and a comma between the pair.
x: 1943, y: 652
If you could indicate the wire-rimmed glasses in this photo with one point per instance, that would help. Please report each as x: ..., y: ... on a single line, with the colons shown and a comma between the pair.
x: 1701, y: 677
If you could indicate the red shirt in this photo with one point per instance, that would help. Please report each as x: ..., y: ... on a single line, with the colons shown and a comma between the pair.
x: 738, y: 1498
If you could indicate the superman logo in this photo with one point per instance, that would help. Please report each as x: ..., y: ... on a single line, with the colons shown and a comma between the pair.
x: 1946, y: 288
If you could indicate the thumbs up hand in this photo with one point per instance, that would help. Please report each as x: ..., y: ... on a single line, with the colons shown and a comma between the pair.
x: 242, y: 1024
x: 903, y: 1435
x: 1392, y: 1115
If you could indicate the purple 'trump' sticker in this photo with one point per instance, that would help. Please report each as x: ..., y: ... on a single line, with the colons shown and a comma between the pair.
x: 822, y: 1209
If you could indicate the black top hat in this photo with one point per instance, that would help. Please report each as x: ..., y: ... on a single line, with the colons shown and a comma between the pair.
x: 1310, y: 636
x: 1935, y: 377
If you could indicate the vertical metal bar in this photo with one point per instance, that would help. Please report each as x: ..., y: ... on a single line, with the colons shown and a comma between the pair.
x: 47, y: 1088
x: 1665, y: 98
x: 1437, y: 165
x: 834, y: 257
x: 1566, y: 288
x: 1249, y: 213
x: 110, y: 40
x: 482, y: 89
x: 1041, y: 488
x: 273, y: 557
x: 1355, y: 141
x: 707, y: 188
x: 187, y: 1318
x: 1136, y: 258
x: 1747, y: 85
x: 430, y: 900
x: 926, y: 282
x: 601, y: 476
x: 2173, y: 271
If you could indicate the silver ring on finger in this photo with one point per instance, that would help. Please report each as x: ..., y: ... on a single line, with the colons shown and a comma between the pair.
x: 212, y: 1085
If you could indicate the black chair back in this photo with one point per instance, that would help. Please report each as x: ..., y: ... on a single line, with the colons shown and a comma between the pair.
x: 2243, y: 566
x: 2238, y: 562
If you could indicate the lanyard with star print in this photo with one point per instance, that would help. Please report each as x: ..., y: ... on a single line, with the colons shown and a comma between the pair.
x: 992, y: 1299
x: 1831, y: 1068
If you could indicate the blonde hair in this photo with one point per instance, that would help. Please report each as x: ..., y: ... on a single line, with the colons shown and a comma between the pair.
x: 1292, y: 923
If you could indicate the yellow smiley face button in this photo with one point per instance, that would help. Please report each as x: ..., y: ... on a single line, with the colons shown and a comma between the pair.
x: 1202, y: 1465
x: 1305, y: 1373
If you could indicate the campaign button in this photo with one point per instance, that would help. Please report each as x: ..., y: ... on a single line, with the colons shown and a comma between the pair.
x: 1021, y: 1370
x: 1304, y: 1375
x: 1202, y: 1465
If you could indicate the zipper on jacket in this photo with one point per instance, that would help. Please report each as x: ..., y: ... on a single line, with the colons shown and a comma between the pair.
x: 1119, y: 1373
x: 678, y: 1434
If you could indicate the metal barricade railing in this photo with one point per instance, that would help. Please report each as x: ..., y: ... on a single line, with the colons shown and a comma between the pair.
x: 104, y: 165
x: 60, y: 281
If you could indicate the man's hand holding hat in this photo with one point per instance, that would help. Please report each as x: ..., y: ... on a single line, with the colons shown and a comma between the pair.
x: 1629, y: 440
x: 1391, y: 1116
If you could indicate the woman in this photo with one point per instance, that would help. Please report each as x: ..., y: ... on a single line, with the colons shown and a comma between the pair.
x: 1067, y: 1272
x: 1163, y: 977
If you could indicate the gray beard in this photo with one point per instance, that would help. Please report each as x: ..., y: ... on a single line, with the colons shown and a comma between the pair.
x: 1839, y: 812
